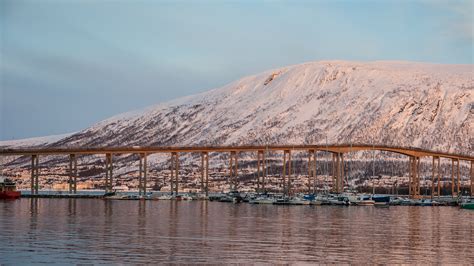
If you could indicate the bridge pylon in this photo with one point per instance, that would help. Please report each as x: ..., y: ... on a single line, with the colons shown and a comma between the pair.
x: 414, y: 177
x: 472, y: 178
x: 108, y: 173
x: 34, y: 174
x: 72, y: 174
x: 261, y: 173
x: 455, y: 183
x: 287, y: 172
x: 233, y: 170
x: 142, y: 174
x: 337, y: 172
x: 174, y: 167
x: 435, y: 178
x: 312, y: 174
x: 205, y: 173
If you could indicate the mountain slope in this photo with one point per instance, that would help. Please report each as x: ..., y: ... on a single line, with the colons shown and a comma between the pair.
x: 32, y: 142
x: 397, y: 103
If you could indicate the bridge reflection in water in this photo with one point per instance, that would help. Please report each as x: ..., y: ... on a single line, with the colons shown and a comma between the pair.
x: 337, y: 169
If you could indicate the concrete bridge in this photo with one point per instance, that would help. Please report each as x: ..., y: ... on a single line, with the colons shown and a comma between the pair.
x: 337, y: 151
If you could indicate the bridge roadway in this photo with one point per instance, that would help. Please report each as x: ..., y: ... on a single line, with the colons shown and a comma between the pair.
x: 337, y: 151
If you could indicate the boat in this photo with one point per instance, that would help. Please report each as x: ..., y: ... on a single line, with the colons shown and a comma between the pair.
x: 110, y: 194
x: 364, y: 200
x: 189, y: 197
x: 381, y: 198
x: 299, y: 201
x: 282, y: 201
x: 8, y: 189
x: 381, y: 201
x: 427, y: 202
x: 202, y: 196
x: 310, y: 197
x: 339, y: 200
x: 467, y: 204
x: 261, y: 200
x: 396, y: 201
x: 317, y: 202
x: 225, y: 198
x: 165, y: 197
x: 116, y: 197
x: 407, y: 202
x: 321, y: 200
x: 232, y: 196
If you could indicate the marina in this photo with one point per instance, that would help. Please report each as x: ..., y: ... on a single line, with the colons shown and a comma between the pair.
x: 344, y: 199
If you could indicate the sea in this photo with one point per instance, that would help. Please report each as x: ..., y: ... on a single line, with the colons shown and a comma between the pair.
x: 97, y: 231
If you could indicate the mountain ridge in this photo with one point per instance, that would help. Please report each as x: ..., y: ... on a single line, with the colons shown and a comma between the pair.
x: 392, y: 102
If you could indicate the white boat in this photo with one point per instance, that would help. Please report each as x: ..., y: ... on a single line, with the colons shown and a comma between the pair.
x: 187, y: 197
x: 299, y: 201
x: 261, y: 200
x: 164, y: 197
x: 364, y: 200
x: 338, y: 200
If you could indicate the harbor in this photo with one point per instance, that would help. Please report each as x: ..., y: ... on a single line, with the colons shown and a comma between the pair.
x: 343, y: 199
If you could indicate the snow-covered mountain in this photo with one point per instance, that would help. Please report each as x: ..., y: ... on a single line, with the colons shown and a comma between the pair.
x: 32, y: 142
x: 395, y: 103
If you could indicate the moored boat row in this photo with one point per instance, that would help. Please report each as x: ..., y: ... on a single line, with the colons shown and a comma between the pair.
x: 342, y: 199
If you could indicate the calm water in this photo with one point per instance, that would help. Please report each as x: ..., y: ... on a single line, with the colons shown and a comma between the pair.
x: 93, y: 230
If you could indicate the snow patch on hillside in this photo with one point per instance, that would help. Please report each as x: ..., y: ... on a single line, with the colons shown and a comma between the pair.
x: 31, y: 142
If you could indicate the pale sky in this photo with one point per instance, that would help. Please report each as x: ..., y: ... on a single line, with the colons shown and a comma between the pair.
x: 65, y: 65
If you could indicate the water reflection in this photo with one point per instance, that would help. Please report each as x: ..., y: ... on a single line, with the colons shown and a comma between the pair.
x: 83, y: 231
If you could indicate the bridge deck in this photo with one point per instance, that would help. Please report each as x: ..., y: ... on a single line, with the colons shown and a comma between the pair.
x: 339, y: 148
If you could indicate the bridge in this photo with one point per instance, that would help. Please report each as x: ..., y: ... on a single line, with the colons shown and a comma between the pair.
x: 338, y: 151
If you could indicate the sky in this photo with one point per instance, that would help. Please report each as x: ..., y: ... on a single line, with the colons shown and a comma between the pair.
x: 65, y: 65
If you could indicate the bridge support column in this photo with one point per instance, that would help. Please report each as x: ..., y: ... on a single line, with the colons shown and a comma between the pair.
x: 338, y: 172
x: 342, y: 175
x: 455, y: 185
x: 233, y: 171
x: 439, y: 177
x: 108, y: 173
x: 410, y: 173
x: 459, y: 177
x: 261, y: 174
x: 312, y: 175
x: 174, y: 172
x: 287, y: 172
x: 472, y: 178
x: 414, y: 182
x: 72, y: 173
x: 205, y: 173
x: 334, y: 173
x: 142, y: 174
x: 435, y: 168
x: 34, y: 174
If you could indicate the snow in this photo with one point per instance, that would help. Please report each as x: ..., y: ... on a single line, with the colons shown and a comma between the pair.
x: 385, y: 102
x: 30, y: 142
